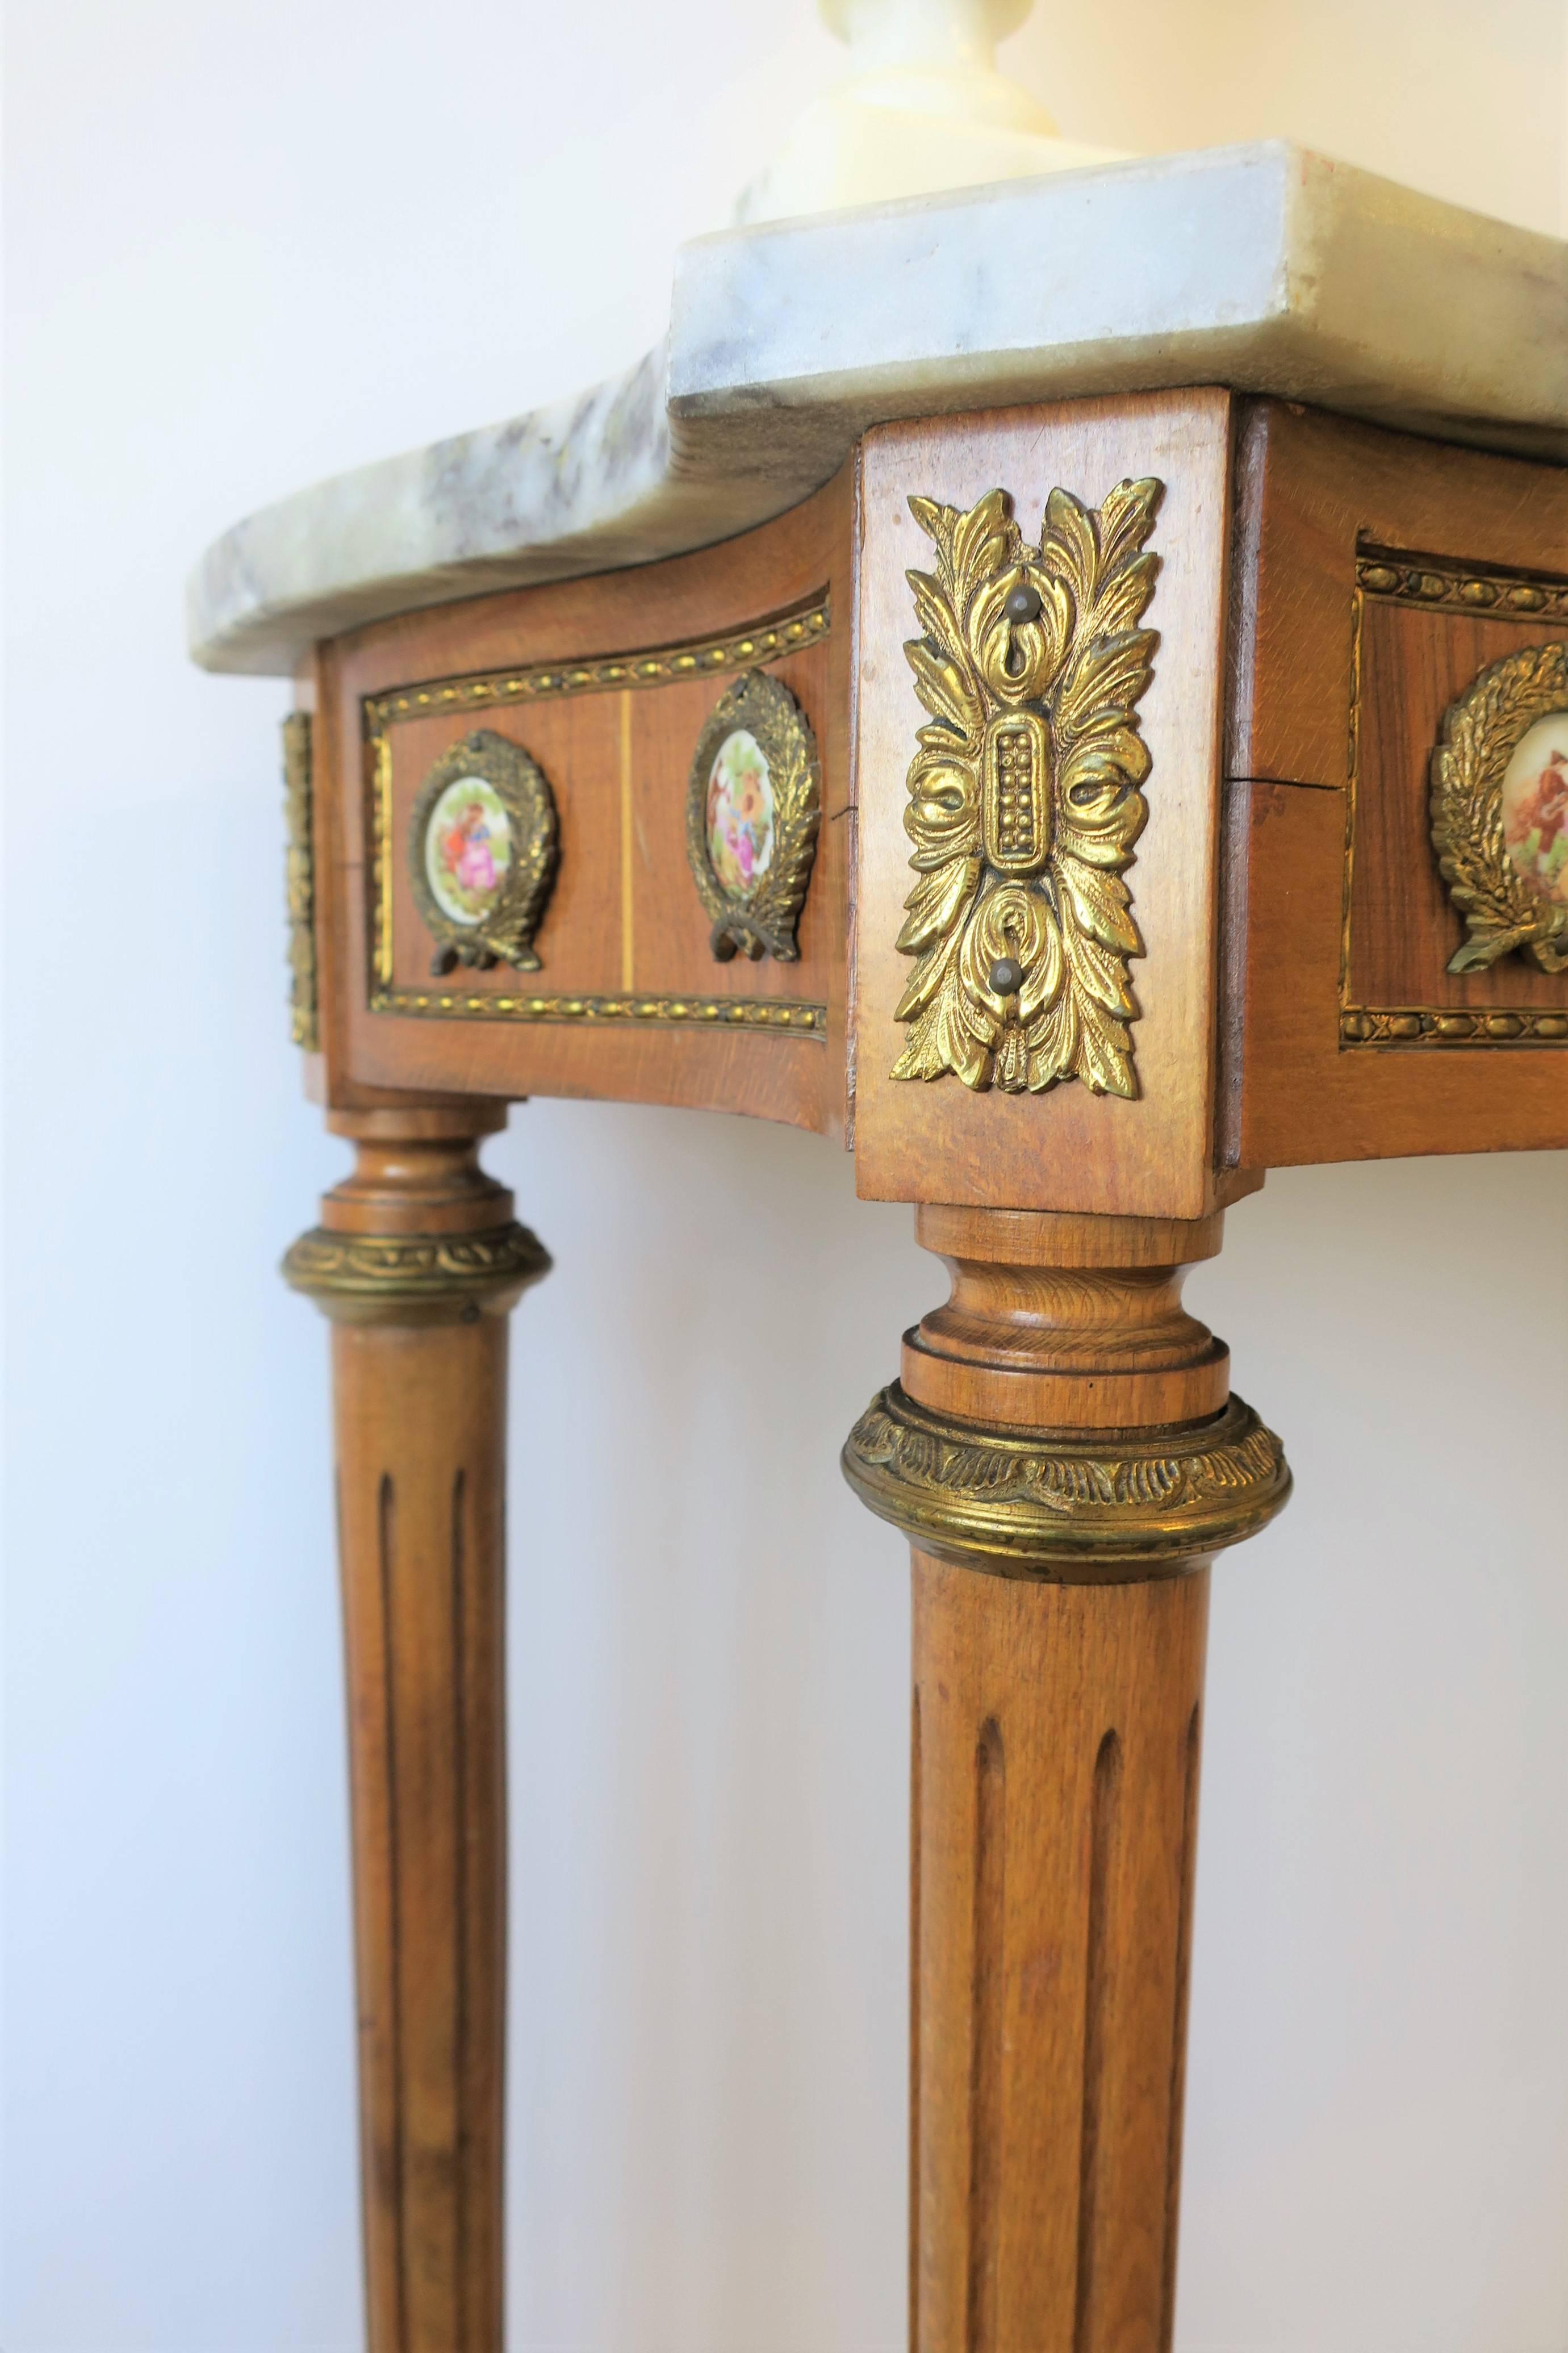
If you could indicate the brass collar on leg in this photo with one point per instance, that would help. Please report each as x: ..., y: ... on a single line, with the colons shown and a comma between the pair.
x: 419, y: 1233
x: 1061, y: 1416
x: 415, y: 1279
x: 1073, y: 1508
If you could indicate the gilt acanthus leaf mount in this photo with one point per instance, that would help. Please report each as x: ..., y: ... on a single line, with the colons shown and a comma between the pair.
x: 1025, y: 797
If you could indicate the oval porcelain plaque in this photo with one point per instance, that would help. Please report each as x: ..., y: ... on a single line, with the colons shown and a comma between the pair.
x: 753, y: 807
x: 740, y: 813
x: 1535, y: 807
x: 467, y: 850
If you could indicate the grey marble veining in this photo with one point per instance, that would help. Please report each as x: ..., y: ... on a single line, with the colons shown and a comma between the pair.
x: 1263, y: 267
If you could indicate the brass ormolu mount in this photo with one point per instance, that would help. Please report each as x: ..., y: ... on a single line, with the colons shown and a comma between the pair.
x: 1062, y: 1417
x: 1025, y: 795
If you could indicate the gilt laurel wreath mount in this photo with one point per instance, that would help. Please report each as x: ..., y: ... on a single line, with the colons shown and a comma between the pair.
x: 504, y: 933
x: 761, y: 920
x: 1024, y: 796
x: 1481, y: 731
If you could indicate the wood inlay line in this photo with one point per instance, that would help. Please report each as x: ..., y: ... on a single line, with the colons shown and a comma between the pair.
x: 385, y: 1539
x: 460, y: 1898
x: 627, y: 961
x: 1103, y: 1813
x: 986, y: 2053
x: 1179, y: 2035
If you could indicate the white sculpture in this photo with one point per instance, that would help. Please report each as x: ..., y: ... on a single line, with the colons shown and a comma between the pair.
x: 921, y: 107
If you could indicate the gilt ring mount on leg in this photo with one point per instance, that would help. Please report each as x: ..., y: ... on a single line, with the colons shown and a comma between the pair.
x: 1067, y: 1507
x: 415, y: 1277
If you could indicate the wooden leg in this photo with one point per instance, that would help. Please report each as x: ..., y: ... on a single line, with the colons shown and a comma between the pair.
x: 417, y: 1261
x: 1065, y: 1454
x: 1056, y: 1809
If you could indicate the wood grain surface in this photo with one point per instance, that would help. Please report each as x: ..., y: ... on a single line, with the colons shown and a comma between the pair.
x: 1402, y: 925
x: 1055, y: 1745
x: 1065, y: 1323
x: 625, y: 920
x: 1308, y: 489
x: 420, y: 1421
x: 1332, y: 899
x: 1241, y: 1058
x: 420, y: 1398
x: 1066, y: 1149
x: 1054, y: 1833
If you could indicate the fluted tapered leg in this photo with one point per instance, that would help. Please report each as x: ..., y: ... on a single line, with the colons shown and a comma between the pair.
x: 417, y: 1262
x: 1054, y: 1838
x: 1065, y: 1456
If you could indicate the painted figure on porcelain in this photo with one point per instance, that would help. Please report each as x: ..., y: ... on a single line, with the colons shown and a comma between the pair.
x: 1535, y: 807
x: 740, y: 813
x: 468, y: 848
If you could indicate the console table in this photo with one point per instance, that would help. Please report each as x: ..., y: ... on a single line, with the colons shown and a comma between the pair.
x: 1063, y: 691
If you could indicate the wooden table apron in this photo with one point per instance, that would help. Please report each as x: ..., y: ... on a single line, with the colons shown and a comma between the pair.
x: 1122, y: 889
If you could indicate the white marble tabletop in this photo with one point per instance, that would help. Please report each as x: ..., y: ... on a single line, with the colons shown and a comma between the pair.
x: 1264, y: 268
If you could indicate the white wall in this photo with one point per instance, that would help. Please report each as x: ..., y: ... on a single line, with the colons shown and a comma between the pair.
x: 255, y: 241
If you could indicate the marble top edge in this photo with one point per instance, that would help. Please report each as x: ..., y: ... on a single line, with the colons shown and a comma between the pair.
x: 1281, y: 163
x: 1266, y: 268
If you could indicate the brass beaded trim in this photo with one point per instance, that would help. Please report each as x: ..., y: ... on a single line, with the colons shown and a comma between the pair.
x: 1067, y: 1508
x: 664, y: 665
x: 777, y: 1016
x: 300, y: 882
x: 1432, y: 582
x: 1426, y: 1025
